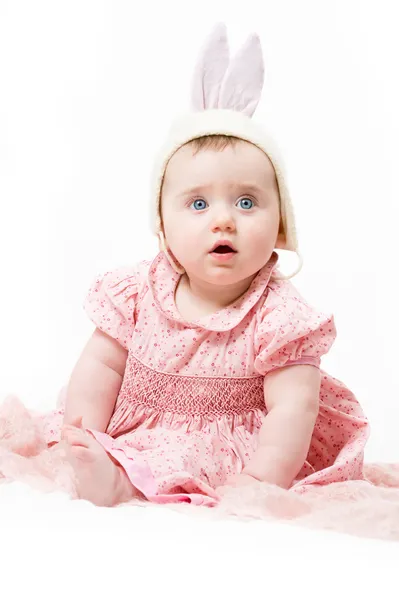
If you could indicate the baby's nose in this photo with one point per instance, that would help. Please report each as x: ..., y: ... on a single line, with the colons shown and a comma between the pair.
x: 223, y: 220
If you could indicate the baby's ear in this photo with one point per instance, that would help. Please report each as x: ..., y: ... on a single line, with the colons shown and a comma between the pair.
x: 242, y: 85
x: 210, y: 69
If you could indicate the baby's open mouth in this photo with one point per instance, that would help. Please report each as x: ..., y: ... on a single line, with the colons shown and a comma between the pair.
x: 223, y: 246
x: 223, y: 250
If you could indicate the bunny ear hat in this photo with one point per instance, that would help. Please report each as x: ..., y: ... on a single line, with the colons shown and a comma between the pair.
x: 225, y: 93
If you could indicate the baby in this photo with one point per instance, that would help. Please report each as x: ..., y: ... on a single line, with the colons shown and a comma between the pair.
x: 204, y: 367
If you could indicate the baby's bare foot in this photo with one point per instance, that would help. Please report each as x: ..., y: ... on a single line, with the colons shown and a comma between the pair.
x: 99, y: 478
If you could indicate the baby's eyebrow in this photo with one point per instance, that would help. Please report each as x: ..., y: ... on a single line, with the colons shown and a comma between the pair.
x: 194, y: 190
x: 243, y: 187
x: 251, y: 187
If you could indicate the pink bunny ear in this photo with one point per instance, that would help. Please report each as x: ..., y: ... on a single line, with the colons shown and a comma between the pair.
x: 210, y: 70
x: 243, y: 82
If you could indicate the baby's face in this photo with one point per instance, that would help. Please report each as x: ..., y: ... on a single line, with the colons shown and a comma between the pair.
x: 229, y: 195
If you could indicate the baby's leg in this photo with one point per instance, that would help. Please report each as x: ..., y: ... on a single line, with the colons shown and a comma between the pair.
x: 99, y: 478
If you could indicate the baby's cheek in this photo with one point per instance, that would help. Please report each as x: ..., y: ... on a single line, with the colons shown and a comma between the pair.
x: 185, y: 239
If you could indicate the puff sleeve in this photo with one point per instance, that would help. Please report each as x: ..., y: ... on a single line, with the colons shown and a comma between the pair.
x: 290, y: 332
x: 111, y: 303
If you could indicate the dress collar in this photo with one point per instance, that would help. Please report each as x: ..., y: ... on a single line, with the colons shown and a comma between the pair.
x: 163, y: 281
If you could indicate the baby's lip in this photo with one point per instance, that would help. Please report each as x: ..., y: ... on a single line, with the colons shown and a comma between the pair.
x: 223, y: 243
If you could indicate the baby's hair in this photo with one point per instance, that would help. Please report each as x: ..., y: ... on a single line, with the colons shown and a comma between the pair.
x: 217, y: 142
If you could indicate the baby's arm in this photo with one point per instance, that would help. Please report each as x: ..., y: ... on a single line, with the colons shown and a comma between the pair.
x: 292, y: 400
x: 95, y: 382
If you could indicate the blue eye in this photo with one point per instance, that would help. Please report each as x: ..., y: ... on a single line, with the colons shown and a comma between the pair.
x: 246, y: 203
x: 199, y: 204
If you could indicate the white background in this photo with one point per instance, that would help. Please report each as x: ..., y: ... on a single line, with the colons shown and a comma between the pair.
x: 88, y: 89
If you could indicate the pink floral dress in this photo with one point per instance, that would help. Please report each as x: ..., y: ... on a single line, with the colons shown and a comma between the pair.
x: 191, y: 402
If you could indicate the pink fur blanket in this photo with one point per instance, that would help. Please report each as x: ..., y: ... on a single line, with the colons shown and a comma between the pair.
x: 368, y: 508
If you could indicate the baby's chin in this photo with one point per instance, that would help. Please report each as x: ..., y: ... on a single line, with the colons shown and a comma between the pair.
x: 221, y: 274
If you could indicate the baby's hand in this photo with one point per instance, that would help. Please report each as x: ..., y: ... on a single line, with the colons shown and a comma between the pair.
x: 237, y: 481
x: 66, y: 429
